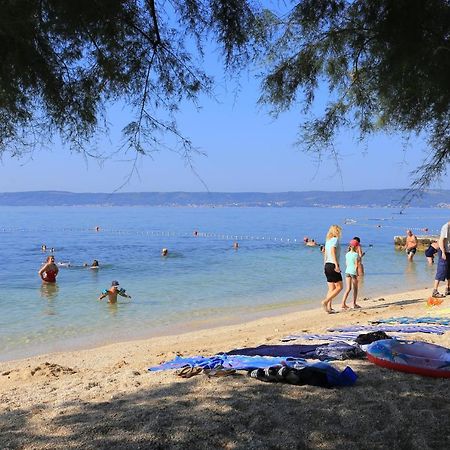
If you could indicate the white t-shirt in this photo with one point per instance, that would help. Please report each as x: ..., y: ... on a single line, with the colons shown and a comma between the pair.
x: 445, y: 233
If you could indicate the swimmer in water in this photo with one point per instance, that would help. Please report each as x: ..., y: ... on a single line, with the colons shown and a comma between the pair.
x: 95, y: 265
x: 49, y: 270
x: 164, y: 252
x: 235, y: 245
x: 113, y: 292
x: 43, y: 247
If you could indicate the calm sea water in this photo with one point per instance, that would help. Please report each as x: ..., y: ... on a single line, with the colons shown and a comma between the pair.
x: 203, y: 281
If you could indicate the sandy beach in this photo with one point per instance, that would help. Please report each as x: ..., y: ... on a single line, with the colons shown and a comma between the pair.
x: 105, y: 397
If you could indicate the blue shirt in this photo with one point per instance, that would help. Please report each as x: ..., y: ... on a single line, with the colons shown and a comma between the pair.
x: 333, y: 242
x: 351, y: 259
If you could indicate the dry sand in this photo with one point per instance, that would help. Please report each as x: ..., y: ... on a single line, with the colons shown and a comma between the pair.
x: 105, y: 398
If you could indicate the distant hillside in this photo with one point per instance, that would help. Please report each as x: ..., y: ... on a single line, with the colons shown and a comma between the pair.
x: 380, y: 198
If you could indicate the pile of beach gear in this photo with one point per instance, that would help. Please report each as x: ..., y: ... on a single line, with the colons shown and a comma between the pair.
x: 311, y: 364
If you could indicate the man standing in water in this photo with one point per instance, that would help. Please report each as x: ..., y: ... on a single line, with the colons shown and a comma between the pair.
x: 411, y: 244
x: 443, y: 266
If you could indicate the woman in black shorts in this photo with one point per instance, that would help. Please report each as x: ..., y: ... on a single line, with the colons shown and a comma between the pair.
x: 332, y: 269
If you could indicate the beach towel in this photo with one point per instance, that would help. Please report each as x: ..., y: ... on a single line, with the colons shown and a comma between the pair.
x: 433, y: 329
x: 238, y: 362
x: 251, y: 363
x: 415, y: 320
x: 295, y: 351
x: 333, y: 351
x: 322, y: 337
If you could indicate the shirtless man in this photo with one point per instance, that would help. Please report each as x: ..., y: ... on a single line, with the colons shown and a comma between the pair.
x: 113, y: 292
x: 411, y: 244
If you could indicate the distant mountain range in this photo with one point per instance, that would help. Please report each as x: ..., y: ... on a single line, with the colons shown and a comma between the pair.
x: 394, y: 198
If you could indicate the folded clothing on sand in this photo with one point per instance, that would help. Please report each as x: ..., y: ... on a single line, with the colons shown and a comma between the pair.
x: 317, y: 374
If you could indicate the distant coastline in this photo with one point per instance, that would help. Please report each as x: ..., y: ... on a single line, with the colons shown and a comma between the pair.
x: 388, y: 198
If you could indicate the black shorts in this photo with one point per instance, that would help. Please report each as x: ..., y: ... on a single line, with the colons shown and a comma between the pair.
x: 411, y: 250
x: 331, y: 274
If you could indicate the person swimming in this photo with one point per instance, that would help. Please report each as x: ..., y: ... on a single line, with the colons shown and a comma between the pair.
x: 95, y: 265
x: 164, y: 252
x: 49, y: 270
x: 113, y: 292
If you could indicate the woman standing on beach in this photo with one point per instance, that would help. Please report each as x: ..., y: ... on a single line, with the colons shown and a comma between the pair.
x: 332, y: 269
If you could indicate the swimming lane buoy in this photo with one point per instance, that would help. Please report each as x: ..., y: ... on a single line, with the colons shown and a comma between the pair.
x: 416, y: 357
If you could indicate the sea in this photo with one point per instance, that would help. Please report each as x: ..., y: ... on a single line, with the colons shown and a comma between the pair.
x: 203, y: 281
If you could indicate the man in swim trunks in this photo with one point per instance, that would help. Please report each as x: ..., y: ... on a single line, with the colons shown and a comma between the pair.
x: 443, y: 264
x: 49, y: 270
x: 411, y: 244
x: 113, y: 292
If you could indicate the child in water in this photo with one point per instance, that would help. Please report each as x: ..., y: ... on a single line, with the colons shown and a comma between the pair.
x: 352, y: 260
x: 113, y: 292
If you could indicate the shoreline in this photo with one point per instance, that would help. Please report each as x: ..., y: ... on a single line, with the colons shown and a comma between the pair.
x: 265, y: 311
x: 104, y: 397
x: 249, y: 321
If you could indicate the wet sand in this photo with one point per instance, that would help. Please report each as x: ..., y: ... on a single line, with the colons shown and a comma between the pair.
x: 105, y: 397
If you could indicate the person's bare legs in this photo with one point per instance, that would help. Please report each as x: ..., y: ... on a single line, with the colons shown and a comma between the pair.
x: 355, y: 292
x: 348, y: 283
x: 333, y: 291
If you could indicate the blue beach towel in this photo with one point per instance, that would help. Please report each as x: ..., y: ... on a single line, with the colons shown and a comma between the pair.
x: 436, y: 329
x: 415, y: 320
x: 249, y: 363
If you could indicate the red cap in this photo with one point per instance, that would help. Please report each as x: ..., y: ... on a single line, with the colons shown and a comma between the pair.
x: 354, y: 243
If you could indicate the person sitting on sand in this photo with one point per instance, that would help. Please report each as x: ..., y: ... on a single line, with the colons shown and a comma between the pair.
x: 49, y: 270
x: 113, y: 292
x: 352, y: 260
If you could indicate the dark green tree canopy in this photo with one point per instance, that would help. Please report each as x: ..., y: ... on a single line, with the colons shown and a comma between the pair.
x: 63, y: 61
x: 386, y: 64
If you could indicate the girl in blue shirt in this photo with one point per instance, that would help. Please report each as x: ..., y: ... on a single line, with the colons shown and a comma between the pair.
x: 352, y: 260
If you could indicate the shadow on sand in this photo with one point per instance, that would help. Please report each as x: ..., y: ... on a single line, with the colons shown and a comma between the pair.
x: 386, y: 409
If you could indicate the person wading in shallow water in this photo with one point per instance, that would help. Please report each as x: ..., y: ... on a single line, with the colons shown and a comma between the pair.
x: 49, y: 270
x: 113, y: 292
x: 411, y: 244
x: 331, y: 268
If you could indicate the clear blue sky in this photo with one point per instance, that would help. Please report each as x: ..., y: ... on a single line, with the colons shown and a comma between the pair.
x: 246, y: 150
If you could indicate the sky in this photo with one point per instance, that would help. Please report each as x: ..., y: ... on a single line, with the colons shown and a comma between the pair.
x: 246, y: 151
